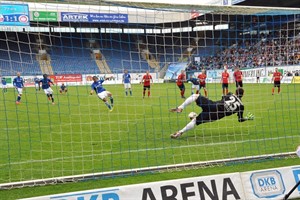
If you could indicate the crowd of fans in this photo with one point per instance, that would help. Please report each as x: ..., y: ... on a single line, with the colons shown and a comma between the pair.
x: 276, y: 49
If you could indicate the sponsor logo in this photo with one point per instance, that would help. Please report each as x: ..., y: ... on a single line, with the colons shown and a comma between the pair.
x: 23, y: 19
x: 267, y: 184
x: 95, y: 195
x: 213, y: 189
x: 296, y: 172
x: 75, y: 17
x: 36, y: 14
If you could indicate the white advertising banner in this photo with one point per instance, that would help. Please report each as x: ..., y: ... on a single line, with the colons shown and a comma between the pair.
x: 254, y: 185
x: 271, y: 184
x: 225, y: 186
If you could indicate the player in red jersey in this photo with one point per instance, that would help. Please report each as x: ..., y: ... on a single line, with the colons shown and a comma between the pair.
x: 277, y: 76
x: 238, y: 77
x: 180, y: 79
x: 202, y: 78
x: 147, y: 79
x: 225, y: 81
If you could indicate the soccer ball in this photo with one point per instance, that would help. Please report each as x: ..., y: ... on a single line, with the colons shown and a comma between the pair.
x: 192, y: 115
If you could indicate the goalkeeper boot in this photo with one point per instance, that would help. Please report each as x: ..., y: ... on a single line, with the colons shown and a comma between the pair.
x: 175, y: 135
x: 178, y: 110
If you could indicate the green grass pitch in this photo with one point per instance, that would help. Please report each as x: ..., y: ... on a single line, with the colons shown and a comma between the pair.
x: 78, y: 135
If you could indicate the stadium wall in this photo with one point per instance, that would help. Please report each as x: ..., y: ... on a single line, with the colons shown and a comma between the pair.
x: 262, y: 184
x: 213, y: 76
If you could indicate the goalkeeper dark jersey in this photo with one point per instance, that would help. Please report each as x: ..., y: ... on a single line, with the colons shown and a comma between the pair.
x: 215, y: 110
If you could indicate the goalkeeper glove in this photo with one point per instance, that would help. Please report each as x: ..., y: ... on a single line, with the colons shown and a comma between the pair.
x: 250, y: 116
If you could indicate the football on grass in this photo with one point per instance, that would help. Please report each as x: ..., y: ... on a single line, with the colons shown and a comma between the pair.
x: 192, y: 115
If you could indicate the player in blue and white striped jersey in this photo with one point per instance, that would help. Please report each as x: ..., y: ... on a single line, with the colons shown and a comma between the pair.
x: 36, y: 83
x: 18, y: 83
x: 45, y: 81
x: 102, y: 93
x: 127, y: 82
x: 4, y: 84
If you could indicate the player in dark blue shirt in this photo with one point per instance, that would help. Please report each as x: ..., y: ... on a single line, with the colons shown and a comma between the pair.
x: 63, y: 88
x: 213, y: 110
x: 102, y: 93
x: 4, y: 84
x: 45, y: 81
x: 195, y: 84
x: 18, y: 83
x: 36, y: 83
x: 127, y: 82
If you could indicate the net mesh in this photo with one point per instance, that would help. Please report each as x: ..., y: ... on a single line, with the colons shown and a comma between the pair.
x: 78, y: 135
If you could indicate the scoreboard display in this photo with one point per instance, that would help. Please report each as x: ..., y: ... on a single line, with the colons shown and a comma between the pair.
x: 14, y: 15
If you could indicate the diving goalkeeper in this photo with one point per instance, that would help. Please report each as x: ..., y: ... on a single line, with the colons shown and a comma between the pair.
x: 213, y: 110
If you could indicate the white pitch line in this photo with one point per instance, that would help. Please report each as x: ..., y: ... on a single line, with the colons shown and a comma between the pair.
x: 144, y: 150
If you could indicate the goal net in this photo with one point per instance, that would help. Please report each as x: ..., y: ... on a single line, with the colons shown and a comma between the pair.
x: 71, y: 135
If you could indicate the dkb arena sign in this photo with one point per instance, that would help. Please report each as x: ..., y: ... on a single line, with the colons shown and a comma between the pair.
x: 264, y: 184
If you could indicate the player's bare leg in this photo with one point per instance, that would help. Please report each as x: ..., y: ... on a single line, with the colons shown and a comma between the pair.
x: 205, y: 92
x: 109, y: 94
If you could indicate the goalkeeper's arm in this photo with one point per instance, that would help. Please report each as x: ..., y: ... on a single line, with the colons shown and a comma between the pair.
x: 249, y: 116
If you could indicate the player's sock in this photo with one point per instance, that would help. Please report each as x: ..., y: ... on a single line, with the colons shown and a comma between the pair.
x: 205, y: 92
x: 188, y: 101
x: 126, y: 93
x: 112, y: 101
x: 272, y: 90
x: 107, y: 104
x: 144, y: 94
x: 278, y: 90
x: 192, y: 93
x: 226, y: 91
x: 148, y: 93
x: 189, y: 126
x: 130, y: 92
x: 18, y: 98
x: 51, y: 97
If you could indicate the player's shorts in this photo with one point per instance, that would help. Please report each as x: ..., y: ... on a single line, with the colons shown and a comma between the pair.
x: 103, y: 95
x: 225, y: 85
x: 147, y: 87
x: 202, y: 85
x: 127, y: 85
x: 240, y: 83
x: 48, y: 90
x: 20, y: 90
x: 181, y: 87
x: 195, y: 87
x: 276, y: 83
x: 4, y: 86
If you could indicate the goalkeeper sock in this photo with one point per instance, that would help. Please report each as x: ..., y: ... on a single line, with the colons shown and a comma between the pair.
x: 188, y: 101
